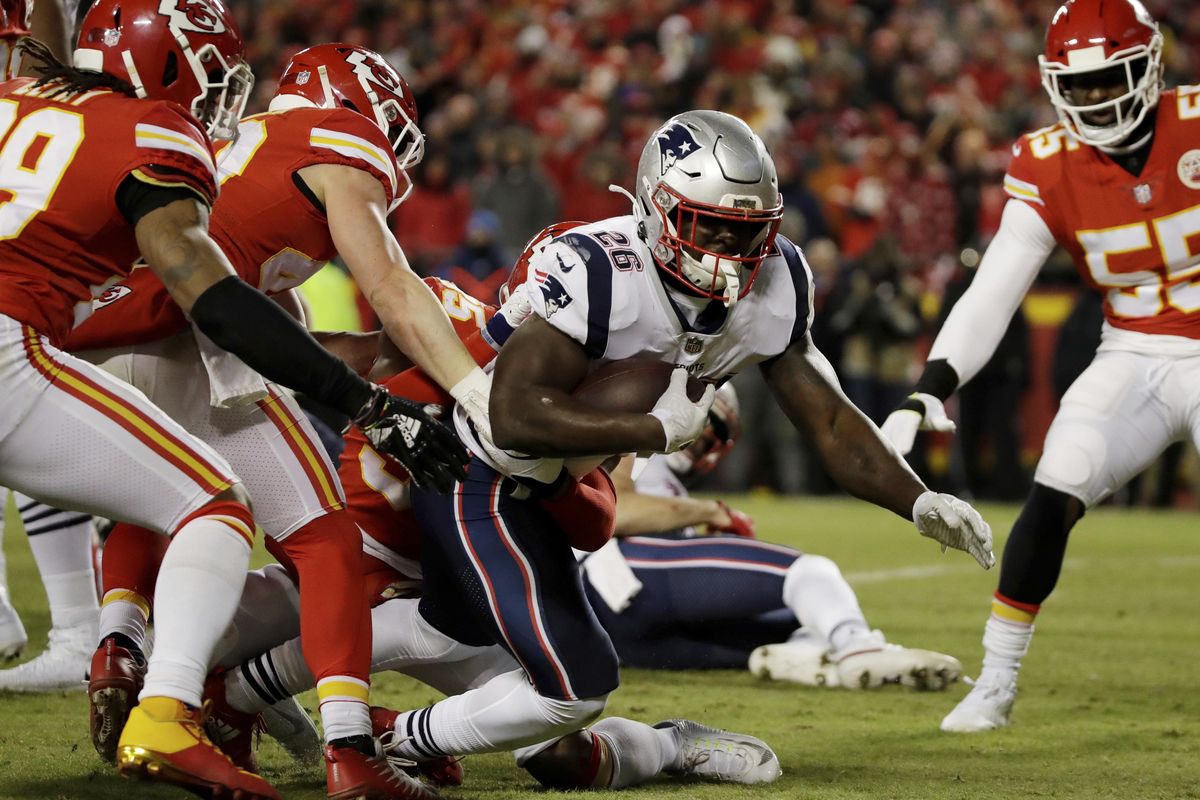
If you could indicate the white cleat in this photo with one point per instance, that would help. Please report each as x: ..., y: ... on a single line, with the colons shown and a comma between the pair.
x: 718, y: 755
x: 804, y: 661
x: 987, y: 706
x: 62, y: 666
x: 870, y: 661
x: 289, y: 724
x: 12, y: 633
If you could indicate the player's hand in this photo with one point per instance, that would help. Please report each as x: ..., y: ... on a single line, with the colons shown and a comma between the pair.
x: 920, y: 412
x: 681, y: 418
x: 408, y: 432
x: 954, y: 523
x: 474, y: 394
x: 517, y: 307
x: 732, y: 521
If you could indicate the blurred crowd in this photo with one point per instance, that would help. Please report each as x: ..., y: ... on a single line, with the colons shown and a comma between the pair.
x: 890, y: 123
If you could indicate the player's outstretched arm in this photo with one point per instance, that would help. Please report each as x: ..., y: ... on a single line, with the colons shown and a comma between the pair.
x: 533, y: 412
x: 174, y: 241
x: 639, y: 514
x: 356, y: 207
x: 976, y: 324
x: 860, y: 460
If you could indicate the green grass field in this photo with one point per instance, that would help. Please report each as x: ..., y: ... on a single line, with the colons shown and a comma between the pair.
x: 1108, y: 705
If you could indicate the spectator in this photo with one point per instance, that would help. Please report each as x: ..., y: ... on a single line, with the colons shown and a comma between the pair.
x: 517, y: 190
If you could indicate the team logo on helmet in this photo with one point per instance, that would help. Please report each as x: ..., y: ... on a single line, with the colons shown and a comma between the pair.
x: 1189, y: 169
x: 675, y: 142
x: 197, y: 16
x: 373, y: 70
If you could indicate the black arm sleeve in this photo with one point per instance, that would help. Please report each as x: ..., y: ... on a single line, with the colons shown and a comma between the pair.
x: 245, y: 322
x: 136, y: 198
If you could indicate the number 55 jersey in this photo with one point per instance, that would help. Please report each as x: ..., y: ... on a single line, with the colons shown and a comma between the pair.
x: 1135, y: 238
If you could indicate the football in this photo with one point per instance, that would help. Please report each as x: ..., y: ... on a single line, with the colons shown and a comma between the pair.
x: 631, y: 385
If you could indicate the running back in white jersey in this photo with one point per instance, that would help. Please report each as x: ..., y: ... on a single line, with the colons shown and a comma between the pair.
x: 598, y: 284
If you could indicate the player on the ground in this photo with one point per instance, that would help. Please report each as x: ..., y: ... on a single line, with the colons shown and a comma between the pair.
x: 695, y: 277
x: 332, y: 154
x: 722, y: 599
x: 377, y: 492
x: 1117, y: 184
x: 99, y: 166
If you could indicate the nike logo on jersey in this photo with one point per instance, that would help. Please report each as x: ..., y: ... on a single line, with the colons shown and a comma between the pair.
x: 564, y: 266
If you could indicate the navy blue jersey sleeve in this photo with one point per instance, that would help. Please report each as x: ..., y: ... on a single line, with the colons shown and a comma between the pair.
x: 802, y: 280
x: 570, y: 286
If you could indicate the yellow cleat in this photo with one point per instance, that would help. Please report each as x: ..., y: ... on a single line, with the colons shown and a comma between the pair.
x: 164, y: 740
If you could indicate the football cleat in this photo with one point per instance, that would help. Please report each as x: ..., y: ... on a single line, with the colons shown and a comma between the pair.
x: 115, y: 678
x: 805, y: 661
x: 63, y: 665
x: 164, y: 741
x: 718, y: 755
x: 870, y: 661
x: 352, y: 774
x: 987, y: 706
x: 441, y: 772
x: 231, y: 729
x: 12, y: 633
x: 289, y: 724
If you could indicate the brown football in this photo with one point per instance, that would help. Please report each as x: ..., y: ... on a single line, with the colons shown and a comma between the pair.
x: 631, y: 385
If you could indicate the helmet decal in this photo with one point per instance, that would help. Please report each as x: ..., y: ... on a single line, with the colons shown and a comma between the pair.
x: 372, y: 70
x: 196, y: 16
x: 675, y: 142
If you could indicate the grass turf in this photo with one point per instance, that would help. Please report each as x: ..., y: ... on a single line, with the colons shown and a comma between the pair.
x: 1108, y: 706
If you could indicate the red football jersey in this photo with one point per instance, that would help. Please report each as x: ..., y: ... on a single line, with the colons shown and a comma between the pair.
x: 62, y: 238
x: 271, y: 231
x: 1136, y: 238
x: 377, y: 487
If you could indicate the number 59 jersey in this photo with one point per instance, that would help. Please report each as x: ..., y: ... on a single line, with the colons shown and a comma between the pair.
x: 62, y: 237
x: 1135, y: 238
x: 598, y: 284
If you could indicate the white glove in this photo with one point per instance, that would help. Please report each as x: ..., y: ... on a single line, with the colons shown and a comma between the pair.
x: 956, y: 524
x: 682, y: 420
x: 473, y: 393
x: 516, y: 308
x: 901, y: 426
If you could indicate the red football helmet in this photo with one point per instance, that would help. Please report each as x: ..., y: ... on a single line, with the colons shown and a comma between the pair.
x: 520, y: 270
x: 188, y: 51
x: 347, y: 76
x: 718, y: 438
x: 14, y: 26
x: 1088, y: 37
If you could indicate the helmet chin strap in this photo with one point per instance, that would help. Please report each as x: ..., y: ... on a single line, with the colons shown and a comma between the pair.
x: 733, y: 283
x: 612, y: 187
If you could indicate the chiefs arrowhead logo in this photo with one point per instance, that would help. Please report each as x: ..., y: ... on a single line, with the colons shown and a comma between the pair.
x: 197, y: 16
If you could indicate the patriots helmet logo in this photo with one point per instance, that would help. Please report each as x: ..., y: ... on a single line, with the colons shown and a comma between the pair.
x: 556, y: 296
x: 675, y: 142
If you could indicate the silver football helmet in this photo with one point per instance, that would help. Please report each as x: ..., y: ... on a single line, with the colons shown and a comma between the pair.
x: 708, y: 200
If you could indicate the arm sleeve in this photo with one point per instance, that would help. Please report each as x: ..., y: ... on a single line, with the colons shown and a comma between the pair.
x: 136, y: 197
x: 978, y: 320
x: 586, y: 511
x: 247, y: 323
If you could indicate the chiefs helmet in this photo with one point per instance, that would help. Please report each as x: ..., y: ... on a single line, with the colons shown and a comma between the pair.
x: 718, y: 437
x: 188, y: 51
x: 348, y: 76
x: 707, y: 199
x: 1086, y: 37
x: 520, y: 270
x: 14, y: 26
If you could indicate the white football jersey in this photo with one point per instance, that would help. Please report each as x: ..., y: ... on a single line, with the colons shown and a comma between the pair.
x: 659, y: 480
x: 598, y: 284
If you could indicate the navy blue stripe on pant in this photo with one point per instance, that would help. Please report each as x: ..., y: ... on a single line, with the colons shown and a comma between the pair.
x: 498, y: 570
x: 705, y: 602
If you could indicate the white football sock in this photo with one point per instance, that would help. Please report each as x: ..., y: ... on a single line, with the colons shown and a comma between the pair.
x: 61, y: 542
x: 1005, y: 643
x: 639, y: 752
x: 823, y: 601
x: 268, y: 615
x: 3, y: 560
x: 503, y: 714
x: 124, y: 612
x: 199, y: 585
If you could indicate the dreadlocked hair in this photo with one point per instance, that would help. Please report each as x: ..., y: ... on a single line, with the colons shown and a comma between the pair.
x: 69, y: 80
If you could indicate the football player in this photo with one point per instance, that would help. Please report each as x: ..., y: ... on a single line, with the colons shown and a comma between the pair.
x: 103, y: 162
x: 377, y: 492
x: 673, y: 597
x: 1116, y: 183
x: 696, y: 277
x: 313, y: 177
